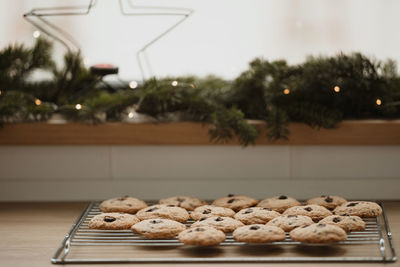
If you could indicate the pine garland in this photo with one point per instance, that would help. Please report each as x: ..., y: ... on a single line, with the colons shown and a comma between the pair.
x: 320, y: 92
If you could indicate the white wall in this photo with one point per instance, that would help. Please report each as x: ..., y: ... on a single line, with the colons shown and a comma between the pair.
x: 223, y: 35
x: 150, y: 172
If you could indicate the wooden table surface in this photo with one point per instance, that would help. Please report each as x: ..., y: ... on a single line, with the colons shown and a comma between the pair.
x: 31, y: 232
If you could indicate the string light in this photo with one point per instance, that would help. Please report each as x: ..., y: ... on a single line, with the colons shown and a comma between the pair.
x: 192, y: 85
x: 78, y: 106
x: 133, y: 84
x: 131, y: 115
x: 286, y: 91
x: 336, y: 89
x: 379, y: 102
x: 38, y: 102
x: 174, y: 83
x: 36, y: 34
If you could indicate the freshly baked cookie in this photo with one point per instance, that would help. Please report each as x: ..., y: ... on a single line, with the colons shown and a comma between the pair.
x: 318, y: 233
x: 289, y: 222
x: 158, y: 228
x: 225, y: 224
x: 122, y: 204
x: 235, y: 202
x: 113, y: 221
x: 359, y: 208
x: 258, y: 233
x: 201, y: 236
x: 188, y: 203
x: 315, y: 212
x: 210, y: 211
x: 279, y: 203
x: 329, y: 202
x: 347, y: 223
x: 256, y: 215
x: 163, y: 211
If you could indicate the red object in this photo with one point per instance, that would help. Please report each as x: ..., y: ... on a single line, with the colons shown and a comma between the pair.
x: 104, y: 66
x: 103, y: 69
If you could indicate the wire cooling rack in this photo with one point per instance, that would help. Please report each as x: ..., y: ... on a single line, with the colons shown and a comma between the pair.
x: 84, y: 245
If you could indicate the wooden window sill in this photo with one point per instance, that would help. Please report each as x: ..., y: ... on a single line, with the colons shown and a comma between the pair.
x: 361, y: 132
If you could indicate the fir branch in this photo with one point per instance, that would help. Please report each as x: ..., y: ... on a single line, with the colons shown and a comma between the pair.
x: 314, y: 115
x: 18, y: 106
x: 229, y: 123
x: 277, y: 124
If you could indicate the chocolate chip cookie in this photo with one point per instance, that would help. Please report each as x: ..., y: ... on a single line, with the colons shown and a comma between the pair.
x: 188, y: 203
x: 201, y: 236
x: 235, y: 202
x: 258, y: 233
x: 347, y: 223
x: 113, y: 221
x: 225, y: 224
x: 256, y: 215
x: 329, y: 202
x: 163, y: 211
x: 279, y: 203
x: 359, y: 208
x: 158, y: 228
x: 289, y: 222
x: 210, y: 211
x: 125, y: 204
x: 315, y: 212
x: 318, y: 233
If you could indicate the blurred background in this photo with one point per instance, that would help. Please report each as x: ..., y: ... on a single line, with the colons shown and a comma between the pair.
x: 221, y: 36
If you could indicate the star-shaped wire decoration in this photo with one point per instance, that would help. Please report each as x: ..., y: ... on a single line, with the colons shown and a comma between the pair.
x: 38, y: 18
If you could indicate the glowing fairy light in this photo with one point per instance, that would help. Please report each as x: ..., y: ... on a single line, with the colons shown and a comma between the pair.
x: 38, y: 102
x: 174, y: 83
x: 379, y: 102
x: 78, y: 106
x: 336, y: 89
x: 131, y: 115
x: 286, y: 91
x: 133, y: 84
x: 36, y: 34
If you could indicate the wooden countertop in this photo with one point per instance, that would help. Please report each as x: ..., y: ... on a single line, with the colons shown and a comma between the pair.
x: 31, y: 232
